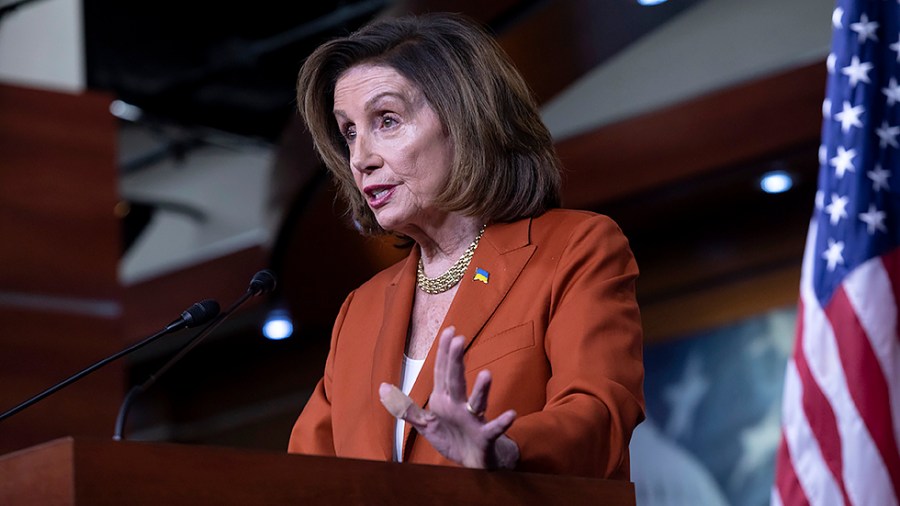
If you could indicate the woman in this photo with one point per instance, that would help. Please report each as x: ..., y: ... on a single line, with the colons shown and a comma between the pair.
x: 433, y: 135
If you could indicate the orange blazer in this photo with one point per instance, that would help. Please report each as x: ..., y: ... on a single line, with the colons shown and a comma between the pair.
x: 555, y: 322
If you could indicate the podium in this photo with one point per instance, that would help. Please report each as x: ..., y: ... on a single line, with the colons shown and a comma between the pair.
x: 74, y: 471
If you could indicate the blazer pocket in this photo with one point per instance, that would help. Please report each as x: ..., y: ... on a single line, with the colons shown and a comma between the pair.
x: 488, y: 348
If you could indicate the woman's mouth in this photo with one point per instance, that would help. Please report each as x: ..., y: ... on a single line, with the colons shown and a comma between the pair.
x: 378, y: 195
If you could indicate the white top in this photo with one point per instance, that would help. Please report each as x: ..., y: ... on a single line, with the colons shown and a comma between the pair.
x: 411, y: 368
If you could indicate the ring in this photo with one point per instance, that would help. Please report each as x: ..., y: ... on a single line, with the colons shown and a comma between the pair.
x: 471, y: 410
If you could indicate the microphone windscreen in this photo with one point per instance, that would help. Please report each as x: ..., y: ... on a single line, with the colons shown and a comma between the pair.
x: 200, y: 313
x: 263, y: 282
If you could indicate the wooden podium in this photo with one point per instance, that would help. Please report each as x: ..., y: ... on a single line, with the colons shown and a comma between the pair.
x: 99, y: 472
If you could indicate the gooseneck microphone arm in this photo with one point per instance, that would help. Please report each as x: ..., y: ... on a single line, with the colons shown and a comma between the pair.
x: 263, y: 282
x: 196, y: 315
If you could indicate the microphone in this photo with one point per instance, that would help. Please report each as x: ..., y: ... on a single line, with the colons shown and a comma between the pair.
x: 263, y: 282
x: 196, y: 315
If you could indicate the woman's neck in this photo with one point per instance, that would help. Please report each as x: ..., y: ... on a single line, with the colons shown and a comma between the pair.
x: 442, y: 245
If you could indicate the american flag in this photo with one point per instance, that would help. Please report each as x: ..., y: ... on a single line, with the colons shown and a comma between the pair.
x: 841, y: 405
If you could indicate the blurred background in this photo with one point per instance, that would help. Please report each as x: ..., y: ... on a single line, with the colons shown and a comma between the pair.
x: 151, y: 157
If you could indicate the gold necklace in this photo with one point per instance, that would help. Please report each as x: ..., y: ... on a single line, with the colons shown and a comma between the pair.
x: 453, y: 275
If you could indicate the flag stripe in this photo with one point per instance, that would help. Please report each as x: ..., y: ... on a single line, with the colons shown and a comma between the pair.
x: 864, y: 483
x: 819, y: 415
x: 821, y: 478
x: 873, y: 299
x: 891, y: 263
x: 865, y: 382
x: 786, y: 481
x: 775, y: 499
x: 818, y: 484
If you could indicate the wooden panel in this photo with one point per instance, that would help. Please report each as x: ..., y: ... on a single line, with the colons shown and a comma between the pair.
x: 728, y: 235
x: 715, y: 306
x: 738, y: 125
x: 57, y: 194
x: 114, y: 473
x: 712, y: 254
x: 58, y: 263
x: 42, y: 349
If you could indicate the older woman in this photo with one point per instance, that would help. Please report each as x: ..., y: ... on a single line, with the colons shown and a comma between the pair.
x: 433, y: 135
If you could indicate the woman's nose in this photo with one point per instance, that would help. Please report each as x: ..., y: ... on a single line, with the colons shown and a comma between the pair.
x: 364, y: 155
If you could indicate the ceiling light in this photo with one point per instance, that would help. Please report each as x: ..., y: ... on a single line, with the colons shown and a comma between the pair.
x: 125, y: 111
x: 776, y: 181
x: 650, y: 2
x: 278, y: 325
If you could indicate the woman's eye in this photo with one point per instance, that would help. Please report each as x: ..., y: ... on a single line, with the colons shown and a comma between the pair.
x: 349, y: 134
x: 388, y: 122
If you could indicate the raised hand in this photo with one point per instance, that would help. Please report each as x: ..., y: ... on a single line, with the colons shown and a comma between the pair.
x: 454, y: 424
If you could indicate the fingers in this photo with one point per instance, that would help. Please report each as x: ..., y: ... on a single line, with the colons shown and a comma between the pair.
x: 449, y: 371
x: 401, y: 406
x: 478, y: 399
x: 396, y: 402
x: 456, y: 379
x: 493, y: 429
x: 440, y: 359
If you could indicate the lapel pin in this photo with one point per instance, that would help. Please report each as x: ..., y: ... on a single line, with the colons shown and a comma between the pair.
x: 481, y: 275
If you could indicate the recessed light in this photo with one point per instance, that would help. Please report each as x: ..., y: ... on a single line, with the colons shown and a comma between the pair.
x: 776, y: 181
x: 278, y: 325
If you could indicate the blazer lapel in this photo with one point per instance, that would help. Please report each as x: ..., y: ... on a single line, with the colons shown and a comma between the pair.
x: 502, y: 252
x: 389, y: 348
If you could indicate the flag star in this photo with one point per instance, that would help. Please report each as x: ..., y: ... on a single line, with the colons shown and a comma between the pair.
x: 879, y: 178
x: 843, y: 161
x: 831, y: 62
x: 826, y: 107
x: 837, y: 209
x: 820, y: 200
x: 849, y: 116
x: 892, y: 92
x: 836, y: 17
x: 857, y: 71
x: 896, y: 45
x: 834, y: 255
x: 865, y: 29
x: 874, y: 220
x: 888, y: 135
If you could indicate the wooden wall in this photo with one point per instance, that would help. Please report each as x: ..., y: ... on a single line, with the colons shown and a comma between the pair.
x: 59, y: 251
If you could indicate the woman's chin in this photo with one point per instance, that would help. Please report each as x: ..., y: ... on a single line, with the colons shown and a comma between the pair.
x: 389, y: 224
x: 391, y: 221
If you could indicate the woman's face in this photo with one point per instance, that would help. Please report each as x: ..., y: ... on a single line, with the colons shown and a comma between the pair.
x: 400, y: 154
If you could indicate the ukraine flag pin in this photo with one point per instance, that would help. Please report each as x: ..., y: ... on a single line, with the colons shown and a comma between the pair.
x: 481, y: 275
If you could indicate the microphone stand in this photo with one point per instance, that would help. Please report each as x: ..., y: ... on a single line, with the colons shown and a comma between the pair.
x: 256, y: 288
x: 210, y: 308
